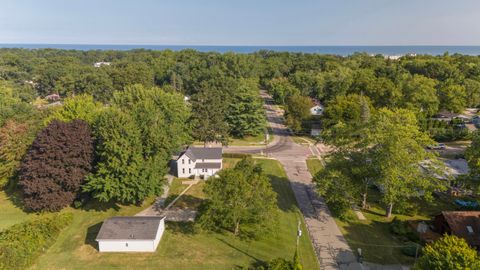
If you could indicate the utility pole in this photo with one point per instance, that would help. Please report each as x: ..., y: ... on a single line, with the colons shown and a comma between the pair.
x: 299, y: 233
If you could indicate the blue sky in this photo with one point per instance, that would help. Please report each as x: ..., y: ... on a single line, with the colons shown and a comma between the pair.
x: 241, y: 22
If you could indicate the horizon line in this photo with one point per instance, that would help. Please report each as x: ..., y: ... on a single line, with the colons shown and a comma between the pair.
x: 240, y: 45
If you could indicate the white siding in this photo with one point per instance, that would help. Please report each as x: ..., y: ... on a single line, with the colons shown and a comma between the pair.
x: 158, y: 237
x: 126, y: 246
x: 185, y: 167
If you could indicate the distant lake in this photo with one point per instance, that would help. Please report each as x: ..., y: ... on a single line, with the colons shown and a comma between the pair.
x: 338, y: 50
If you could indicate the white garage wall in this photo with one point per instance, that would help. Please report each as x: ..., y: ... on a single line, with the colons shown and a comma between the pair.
x: 126, y: 246
x: 158, y: 237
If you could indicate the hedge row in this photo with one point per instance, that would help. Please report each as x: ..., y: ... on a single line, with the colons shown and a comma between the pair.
x: 235, y: 155
x: 22, y: 244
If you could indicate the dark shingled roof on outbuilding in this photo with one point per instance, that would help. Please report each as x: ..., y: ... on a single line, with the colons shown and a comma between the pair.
x: 128, y: 228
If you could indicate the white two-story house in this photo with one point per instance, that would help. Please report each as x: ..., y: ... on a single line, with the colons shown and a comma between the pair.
x: 199, y: 161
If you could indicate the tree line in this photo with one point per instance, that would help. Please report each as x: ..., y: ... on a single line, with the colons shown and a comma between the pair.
x: 136, y: 112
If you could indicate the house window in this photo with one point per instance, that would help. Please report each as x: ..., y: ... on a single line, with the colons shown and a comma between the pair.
x: 183, y: 170
x: 203, y: 160
x: 126, y: 244
x: 189, y: 161
x: 183, y: 161
x: 189, y: 170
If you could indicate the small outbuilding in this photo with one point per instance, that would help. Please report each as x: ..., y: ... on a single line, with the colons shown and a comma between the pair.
x: 131, y: 234
x: 464, y: 224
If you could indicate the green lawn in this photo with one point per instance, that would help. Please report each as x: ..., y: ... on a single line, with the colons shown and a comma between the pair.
x: 257, y: 140
x: 303, y: 140
x: 314, y: 165
x: 250, y: 140
x: 182, y: 247
x: 190, y: 199
x: 9, y: 213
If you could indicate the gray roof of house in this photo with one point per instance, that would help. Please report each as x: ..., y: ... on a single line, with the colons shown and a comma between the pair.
x: 208, y: 165
x: 195, y: 153
x: 127, y: 228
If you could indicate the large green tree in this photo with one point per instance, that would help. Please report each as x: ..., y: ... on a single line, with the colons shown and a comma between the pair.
x: 161, y: 118
x: 297, y: 110
x: 472, y: 155
x: 77, y: 107
x: 240, y: 200
x: 209, y: 108
x: 15, y: 138
x: 382, y: 91
x: 281, y: 89
x: 472, y: 88
x: 398, y: 150
x: 448, y: 253
x: 119, y: 172
x: 11, y: 106
x: 453, y: 97
x: 245, y: 113
x: 420, y: 94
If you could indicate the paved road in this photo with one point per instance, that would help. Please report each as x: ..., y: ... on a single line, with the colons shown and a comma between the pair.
x: 330, y: 246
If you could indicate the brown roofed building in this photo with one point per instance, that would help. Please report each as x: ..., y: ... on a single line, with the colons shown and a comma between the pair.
x: 464, y: 224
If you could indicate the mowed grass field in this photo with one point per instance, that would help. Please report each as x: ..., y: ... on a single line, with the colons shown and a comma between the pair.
x: 183, y: 246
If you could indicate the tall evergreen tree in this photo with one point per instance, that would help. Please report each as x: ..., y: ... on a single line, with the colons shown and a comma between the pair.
x: 209, y: 109
x: 245, y: 114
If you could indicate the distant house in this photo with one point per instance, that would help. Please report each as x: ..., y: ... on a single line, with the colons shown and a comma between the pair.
x: 99, y: 64
x: 199, y: 161
x: 448, y: 116
x: 52, y: 97
x: 317, y: 108
x: 464, y: 224
x: 130, y: 234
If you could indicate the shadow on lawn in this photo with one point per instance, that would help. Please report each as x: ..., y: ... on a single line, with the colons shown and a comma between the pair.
x: 285, y: 197
x: 257, y: 262
x: 182, y: 227
x: 95, y: 205
x: 92, y: 232
x: 14, y: 195
x: 378, y: 244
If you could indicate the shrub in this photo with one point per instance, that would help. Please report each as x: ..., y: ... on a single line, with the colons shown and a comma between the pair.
x: 411, y: 249
x: 398, y: 227
x: 235, y: 155
x: 449, y: 253
x: 402, y: 229
x: 22, y: 244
